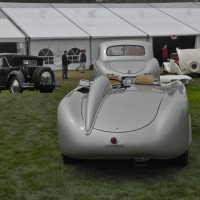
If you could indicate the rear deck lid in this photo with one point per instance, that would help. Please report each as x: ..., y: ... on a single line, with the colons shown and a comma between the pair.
x: 128, y: 111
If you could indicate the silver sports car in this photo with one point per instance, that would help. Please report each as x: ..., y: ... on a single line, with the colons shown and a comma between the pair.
x: 131, y: 118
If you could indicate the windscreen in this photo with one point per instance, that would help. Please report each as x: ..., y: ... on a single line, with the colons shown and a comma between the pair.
x: 125, y: 50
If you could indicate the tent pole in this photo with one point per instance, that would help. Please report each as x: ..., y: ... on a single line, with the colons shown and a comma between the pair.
x: 90, y: 43
x: 27, y: 44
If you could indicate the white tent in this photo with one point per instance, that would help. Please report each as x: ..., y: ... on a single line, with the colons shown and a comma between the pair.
x: 9, y: 33
x: 99, y: 23
x: 150, y: 20
x: 49, y: 29
x: 186, y: 13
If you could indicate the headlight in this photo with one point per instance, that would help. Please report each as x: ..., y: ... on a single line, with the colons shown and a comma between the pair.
x: 46, y: 77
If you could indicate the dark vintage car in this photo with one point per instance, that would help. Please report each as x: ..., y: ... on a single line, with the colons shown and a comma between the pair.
x: 22, y: 72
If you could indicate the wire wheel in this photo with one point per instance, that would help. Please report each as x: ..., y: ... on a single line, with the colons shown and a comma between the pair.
x: 15, y: 86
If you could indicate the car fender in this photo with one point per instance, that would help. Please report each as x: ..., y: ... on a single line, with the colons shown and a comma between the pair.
x: 152, y: 66
x: 17, y: 74
x: 101, y: 68
x: 172, y: 67
x: 95, y: 71
x: 172, y: 113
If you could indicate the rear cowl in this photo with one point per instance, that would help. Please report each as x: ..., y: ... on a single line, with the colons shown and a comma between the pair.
x: 127, y: 111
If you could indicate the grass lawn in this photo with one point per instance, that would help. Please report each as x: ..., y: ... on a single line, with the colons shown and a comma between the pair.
x: 31, y: 167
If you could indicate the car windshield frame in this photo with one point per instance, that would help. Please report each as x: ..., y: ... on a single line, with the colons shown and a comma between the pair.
x: 125, y: 50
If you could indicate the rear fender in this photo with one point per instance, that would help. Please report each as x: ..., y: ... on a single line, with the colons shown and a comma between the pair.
x: 19, y: 76
x: 152, y: 67
x: 101, y: 68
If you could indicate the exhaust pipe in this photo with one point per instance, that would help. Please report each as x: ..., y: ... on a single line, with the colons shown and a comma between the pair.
x: 140, y: 162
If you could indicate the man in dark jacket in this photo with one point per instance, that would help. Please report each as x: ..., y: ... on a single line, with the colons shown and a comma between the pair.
x: 82, y: 60
x: 65, y: 64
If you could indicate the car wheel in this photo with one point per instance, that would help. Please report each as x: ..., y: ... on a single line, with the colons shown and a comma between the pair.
x: 14, y: 86
x: 181, y: 160
x: 67, y: 160
x: 194, y: 66
x: 45, y: 80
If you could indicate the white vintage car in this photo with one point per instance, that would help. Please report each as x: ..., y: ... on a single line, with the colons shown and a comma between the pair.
x: 185, y: 61
x: 126, y: 58
x: 135, y: 118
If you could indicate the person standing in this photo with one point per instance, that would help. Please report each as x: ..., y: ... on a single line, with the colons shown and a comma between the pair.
x: 82, y: 60
x: 65, y: 64
x: 165, y: 53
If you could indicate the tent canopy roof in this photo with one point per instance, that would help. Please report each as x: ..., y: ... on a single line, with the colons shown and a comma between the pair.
x: 186, y: 13
x: 98, y: 21
x: 65, y: 21
x: 9, y: 30
x: 151, y: 20
x: 42, y: 21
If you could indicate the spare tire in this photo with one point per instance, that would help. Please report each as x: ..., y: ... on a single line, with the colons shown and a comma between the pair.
x: 44, y: 79
x: 35, y: 74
